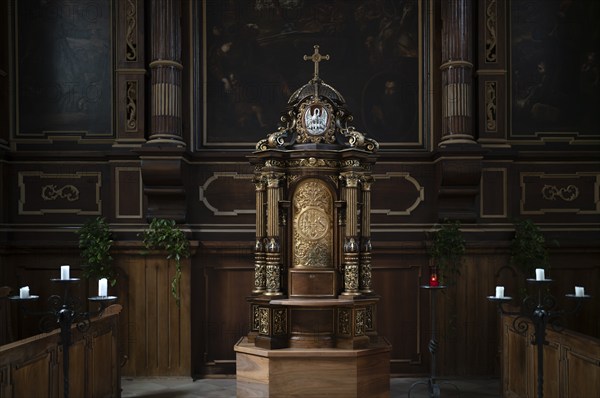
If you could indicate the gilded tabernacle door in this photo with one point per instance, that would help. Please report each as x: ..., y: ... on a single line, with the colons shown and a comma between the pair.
x: 312, y: 225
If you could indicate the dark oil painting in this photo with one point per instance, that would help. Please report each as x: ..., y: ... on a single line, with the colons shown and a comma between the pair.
x: 64, y: 67
x: 555, y: 56
x: 254, y: 62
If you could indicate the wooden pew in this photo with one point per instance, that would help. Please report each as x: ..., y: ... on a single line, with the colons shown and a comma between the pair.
x: 571, y: 363
x: 32, y: 367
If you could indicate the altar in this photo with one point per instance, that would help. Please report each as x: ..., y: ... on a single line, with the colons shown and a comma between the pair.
x: 313, y: 311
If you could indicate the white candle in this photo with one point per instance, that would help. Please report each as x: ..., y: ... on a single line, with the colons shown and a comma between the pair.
x: 579, y: 291
x: 103, y: 287
x: 499, y: 291
x: 539, y: 274
x: 64, y: 272
x: 24, y: 292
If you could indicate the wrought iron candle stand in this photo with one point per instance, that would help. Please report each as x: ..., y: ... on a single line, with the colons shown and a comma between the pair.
x: 541, y: 312
x: 64, y: 311
x: 432, y: 383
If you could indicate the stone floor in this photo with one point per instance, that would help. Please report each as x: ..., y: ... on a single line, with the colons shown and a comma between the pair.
x: 225, y: 387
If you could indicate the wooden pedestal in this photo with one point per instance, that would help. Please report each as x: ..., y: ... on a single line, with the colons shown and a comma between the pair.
x: 313, y: 372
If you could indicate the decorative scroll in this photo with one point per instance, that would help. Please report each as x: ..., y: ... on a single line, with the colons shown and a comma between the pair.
x: 543, y: 193
x: 131, y: 103
x: 131, y: 34
x: 68, y: 192
x: 491, y: 23
x: 568, y: 194
x: 490, y: 106
x: 73, y: 193
x: 313, y: 225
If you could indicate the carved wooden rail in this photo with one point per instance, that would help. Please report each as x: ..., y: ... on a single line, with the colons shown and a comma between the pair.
x: 32, y: 367
x: 571, y: 363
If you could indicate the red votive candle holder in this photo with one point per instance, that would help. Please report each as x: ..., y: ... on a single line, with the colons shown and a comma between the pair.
x: 433, y: 280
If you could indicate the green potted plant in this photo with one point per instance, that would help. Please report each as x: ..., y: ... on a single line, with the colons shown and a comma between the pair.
x: 446, y: 252
x: 163, y: 234
x: 528, y: 249
x: 95, y: 242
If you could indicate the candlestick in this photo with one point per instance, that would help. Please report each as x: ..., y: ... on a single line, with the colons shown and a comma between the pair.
x: 103, y: 287
x: 540, y: 309
x: 65, y: 311
x: 539, y: 274
x: 499, y: 291
x: 64, y: 272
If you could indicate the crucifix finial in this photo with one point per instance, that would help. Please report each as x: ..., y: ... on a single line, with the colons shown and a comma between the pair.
x: 316, y: 58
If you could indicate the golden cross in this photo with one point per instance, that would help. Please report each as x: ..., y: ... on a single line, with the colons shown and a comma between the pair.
x: 316, y: 58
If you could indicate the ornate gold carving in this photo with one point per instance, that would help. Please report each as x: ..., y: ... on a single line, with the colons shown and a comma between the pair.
x: 68, y: 192
x: 273, y: 274
x: 568, y: 194
x: 490, y: 31
x: 260, y: 273
x: 255, y: 318
x: 344, y: 322
x: 359, y: 325
x: 274, y: 163
x: 280, y: 321
x: 313, y: 225
x: 131, y: 33
x: 369, y: 324
x: 131, y: 105
x: 313, y: 162
x: 365, y: 272
x: 490, y: 106
x: 351, y: 163
x: 264, y: 326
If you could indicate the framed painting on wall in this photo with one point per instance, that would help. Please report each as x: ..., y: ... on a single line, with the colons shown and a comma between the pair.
x: 555, y: 68
x: 252, y: 61
x: 64, y: 68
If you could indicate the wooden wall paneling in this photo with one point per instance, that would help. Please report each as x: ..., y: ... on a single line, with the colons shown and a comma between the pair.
x: 158, y: 332
x: 468, y: 323
x: 403, y: 310
x: 228, y: 280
